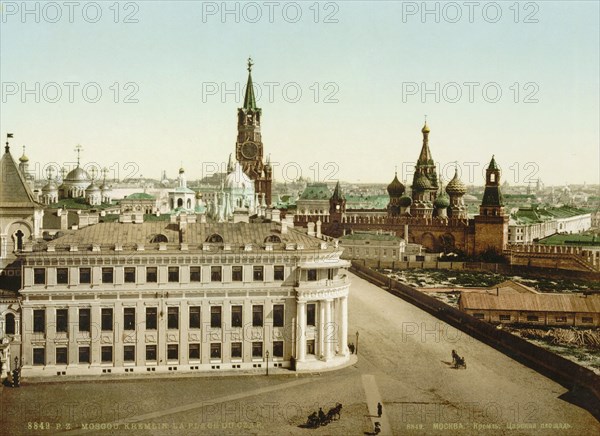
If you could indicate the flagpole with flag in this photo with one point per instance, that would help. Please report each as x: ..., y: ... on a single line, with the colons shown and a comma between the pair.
x: 8, y: 136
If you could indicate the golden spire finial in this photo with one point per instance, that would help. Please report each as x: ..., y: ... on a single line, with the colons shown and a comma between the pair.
x: 250, y: 64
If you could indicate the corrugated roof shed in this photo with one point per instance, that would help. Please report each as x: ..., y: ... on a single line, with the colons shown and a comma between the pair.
x: 531, y: 302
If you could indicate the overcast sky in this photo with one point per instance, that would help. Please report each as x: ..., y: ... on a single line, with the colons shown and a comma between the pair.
x: 344, y: 86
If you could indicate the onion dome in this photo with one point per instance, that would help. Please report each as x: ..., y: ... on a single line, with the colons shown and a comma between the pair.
x: 441, y: 202
x: 24, y: 158
x: 92, y: 188
x: 78, y: 175
x: 405, y: 201
x: 181, y: 170
x: 50, y: 187
x: 422, y: 183
x: 198, y: 195
x: 456, y: 187
x: 396, y: 188
x: 425, y: 128
x: 104, y: 187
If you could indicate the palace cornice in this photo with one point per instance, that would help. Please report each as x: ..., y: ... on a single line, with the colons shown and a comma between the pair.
x: 308, y: 295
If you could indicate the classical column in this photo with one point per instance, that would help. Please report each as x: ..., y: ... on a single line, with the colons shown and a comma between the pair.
x: 322, y: 328
x: 329, y: 328
x: 301, y: 332
x: 344, y: 321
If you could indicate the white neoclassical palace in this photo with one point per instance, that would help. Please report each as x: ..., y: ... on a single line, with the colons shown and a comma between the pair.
x: 182, y: 296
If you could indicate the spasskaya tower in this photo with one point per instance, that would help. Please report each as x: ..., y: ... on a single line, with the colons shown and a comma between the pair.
x: 249, y: 151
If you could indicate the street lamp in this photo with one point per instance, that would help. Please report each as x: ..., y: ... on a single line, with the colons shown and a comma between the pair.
x: 267, y: 362
x: 356, y: 342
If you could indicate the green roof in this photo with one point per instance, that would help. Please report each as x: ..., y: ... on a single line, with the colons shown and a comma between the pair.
x: 492, y: 196
x: 530, y: 216
x: 149, y: 217
x: 140, y: 196
x: 77, y: 203
x: 566, y: 212
x: 584, y: 239
x: 493, y: 165
x: 316, y: 191
x: 109, y: 218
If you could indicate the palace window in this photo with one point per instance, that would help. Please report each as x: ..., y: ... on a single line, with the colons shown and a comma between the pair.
x: 257, y: 315
x: 173, y: 274
x: 236, y: 350
x: 39, y: 356
x: 39, y: 321
x: 278, y: 315
x: 194, y: 351
x: 236, y: 316
x: 587, y: 320
x: 214, y: 238
x: 129, y: 318
x: 129, y: 353
x: 62, y: 320
x: 84, y: 320
x: 151, y: 353
x: 107, y: 354
x: 258, y: 273
x: 330, y: 273
x: 257, y: 349
x: 561, y: 319
x: 39, y: 276
x: 194, y: 273
x: 504, y: 317
x: 172, y: 352
x: 107, y: 319
x: 215, y: 317
x: 84, y: 354
x: 236, y: 273
x: 10, y: 324
x: 62, y: 276
x: 278, y: 273
x: 310, y: 314
x: 533, y: 318
x: 151, y: 274
x: 173, y: 318
x: 215, y: 273
x: 195, y: 317
x: 311, y: 275
x: 215, y: 351
x: 130, y: 274
x: 277, y: 348
x: 85, y: 275
x: 478, y: 315
x: 107, y: 275
x: 151, y: 318
x: 62, y: 356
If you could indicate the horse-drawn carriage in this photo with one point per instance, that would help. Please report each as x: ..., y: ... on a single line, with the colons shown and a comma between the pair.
x: 320, y: 419
x: 458, y: 361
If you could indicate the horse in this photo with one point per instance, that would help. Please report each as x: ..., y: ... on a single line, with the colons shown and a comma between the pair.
x: 335, y: 412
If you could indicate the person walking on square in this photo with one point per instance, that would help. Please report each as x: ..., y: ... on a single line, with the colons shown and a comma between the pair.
x: 379, y: 410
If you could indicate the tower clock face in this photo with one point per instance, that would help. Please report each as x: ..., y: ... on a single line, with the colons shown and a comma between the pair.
x: 249, y: 150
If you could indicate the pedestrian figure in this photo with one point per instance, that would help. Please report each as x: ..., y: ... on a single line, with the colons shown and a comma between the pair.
x: 351, y: 346
x: 379, y: 410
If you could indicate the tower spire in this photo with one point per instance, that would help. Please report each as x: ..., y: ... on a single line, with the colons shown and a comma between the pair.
x: 249, y: 99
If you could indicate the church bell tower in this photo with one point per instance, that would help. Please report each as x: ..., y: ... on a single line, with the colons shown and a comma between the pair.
x: 249, y: 151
